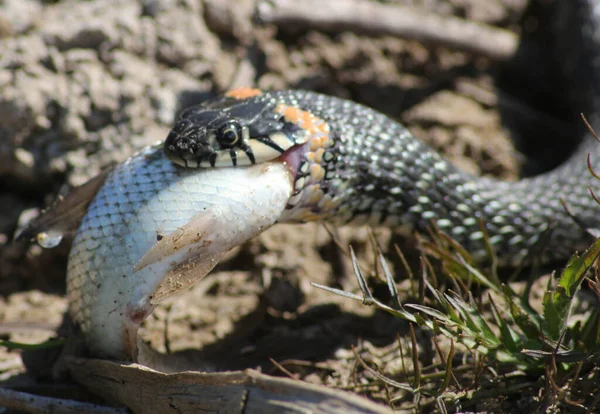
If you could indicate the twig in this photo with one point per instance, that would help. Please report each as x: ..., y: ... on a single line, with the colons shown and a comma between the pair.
x: 283, y: 369
x: 361, y: 16
x: 31, y: 403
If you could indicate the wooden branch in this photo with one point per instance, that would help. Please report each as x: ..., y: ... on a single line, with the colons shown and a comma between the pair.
x: 31, y: 403
x: 367, y: 17
x: 143, y: 390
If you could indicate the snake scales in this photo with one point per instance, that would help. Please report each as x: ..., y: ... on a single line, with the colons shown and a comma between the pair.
x: 358, y: 166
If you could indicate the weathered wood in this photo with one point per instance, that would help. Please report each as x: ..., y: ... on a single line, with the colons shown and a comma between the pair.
x: 144, y: 390
x: 22, y: 402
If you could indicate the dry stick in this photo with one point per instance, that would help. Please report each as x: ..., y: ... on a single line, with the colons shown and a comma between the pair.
x: 401, y: 21
x: 31, y: 403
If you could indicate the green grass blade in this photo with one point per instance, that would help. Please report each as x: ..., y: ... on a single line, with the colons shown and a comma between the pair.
x: 557, y: 302
x: 574, y: 273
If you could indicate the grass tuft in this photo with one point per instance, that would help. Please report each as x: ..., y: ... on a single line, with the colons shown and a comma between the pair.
x: 500, y: 331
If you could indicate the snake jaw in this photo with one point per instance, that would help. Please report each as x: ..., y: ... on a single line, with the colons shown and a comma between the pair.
x: 314, y: 167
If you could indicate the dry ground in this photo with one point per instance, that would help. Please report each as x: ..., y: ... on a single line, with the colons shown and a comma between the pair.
x: 85, y: 84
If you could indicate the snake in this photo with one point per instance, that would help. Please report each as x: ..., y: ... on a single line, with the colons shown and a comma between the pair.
x: 237, y: 164
x: 355, y: 165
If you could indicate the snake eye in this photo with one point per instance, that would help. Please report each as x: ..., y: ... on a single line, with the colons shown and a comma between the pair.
x: 229, y: 135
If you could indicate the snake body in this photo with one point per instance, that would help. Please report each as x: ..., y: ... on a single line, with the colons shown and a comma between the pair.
x: 367, y: 168
x: 353, y: 164
x: 237, y: 164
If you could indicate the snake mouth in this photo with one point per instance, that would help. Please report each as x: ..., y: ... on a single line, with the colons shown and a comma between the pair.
x: 293, y: 159
x: 189, y: 154
x: 191, y: 146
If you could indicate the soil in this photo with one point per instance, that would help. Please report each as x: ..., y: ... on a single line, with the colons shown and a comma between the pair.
x: 85, y: 84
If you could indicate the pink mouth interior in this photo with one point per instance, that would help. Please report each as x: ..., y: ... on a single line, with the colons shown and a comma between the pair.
x: 293, y: 157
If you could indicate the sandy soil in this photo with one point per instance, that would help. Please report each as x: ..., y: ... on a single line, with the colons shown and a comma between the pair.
x: 85, y: 84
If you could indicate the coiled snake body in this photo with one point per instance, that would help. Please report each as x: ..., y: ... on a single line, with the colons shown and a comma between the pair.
x: 149, y: 227
x: 368, y: 168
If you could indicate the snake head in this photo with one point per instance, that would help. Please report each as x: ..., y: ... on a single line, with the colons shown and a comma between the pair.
x: 189, y: 144
x: 230, y: 132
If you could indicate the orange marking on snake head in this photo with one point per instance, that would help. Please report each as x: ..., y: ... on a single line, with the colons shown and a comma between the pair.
x: 243, y: 93
x: 305, y: 120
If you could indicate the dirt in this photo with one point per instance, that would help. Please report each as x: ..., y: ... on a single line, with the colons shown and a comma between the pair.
x: 85, y: 84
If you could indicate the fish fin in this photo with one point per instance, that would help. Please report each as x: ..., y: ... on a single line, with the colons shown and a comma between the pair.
x: 185, y: 274
x: 183, y: 237
x: 65, y: 214
x: 188, y: 254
